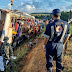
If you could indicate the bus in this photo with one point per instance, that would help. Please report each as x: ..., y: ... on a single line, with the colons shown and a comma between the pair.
x: 14, y: 25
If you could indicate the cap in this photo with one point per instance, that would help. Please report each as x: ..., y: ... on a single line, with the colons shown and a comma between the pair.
x: 5, y: 39
x: 56, y: 12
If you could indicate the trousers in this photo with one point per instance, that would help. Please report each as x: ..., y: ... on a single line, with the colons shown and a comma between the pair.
x: 10, y: 64
x: 54, y: 50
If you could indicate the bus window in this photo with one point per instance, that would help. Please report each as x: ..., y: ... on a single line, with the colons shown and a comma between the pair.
x: 1, y: 27
x: 2, y: 21
x: 3, y: 15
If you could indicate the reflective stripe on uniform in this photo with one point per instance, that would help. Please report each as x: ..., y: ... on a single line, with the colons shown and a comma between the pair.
x: 65, y: 28
x: 68, y: 35
x: 52, y: 33
x: 46, y: 36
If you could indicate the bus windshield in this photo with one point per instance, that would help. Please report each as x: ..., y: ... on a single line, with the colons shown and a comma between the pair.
x: 2, y: 21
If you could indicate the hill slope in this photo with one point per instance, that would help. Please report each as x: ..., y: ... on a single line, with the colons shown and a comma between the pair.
x: 36, y: 61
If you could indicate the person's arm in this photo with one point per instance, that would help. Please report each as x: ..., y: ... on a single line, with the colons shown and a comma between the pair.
x: 45, y: 40
x: 66, y: 39
x: 70, y: 36
x: 67, y: 35
x: 46, y: 35
x: 11, y: 50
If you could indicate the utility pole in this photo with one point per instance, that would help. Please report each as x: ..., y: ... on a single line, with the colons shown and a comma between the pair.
x: 12, y: 3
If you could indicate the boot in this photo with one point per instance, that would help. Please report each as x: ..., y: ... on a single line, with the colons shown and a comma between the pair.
x: 49, y: 70
x: 58, y: 70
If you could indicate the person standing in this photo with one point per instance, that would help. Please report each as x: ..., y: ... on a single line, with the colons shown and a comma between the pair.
x: 7, y: 53
x: 45, y: 21
x: 56, y: 34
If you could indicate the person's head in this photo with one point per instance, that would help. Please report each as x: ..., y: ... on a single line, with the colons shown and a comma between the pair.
x: 56, y: 14
x: 5, y: 39
x: 45, y: 21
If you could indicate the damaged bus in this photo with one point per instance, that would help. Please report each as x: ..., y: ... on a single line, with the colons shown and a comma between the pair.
x: 15, y: 25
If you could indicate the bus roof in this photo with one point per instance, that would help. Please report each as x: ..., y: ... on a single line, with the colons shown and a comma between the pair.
x: 18, y: 13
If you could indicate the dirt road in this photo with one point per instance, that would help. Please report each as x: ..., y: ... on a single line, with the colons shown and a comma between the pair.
x: 35, y: 61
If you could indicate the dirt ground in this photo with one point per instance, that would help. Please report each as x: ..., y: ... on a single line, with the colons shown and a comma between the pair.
x: 36, y: 61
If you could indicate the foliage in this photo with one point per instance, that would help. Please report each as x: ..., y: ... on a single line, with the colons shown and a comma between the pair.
x: 42, y: 16
x: 64, y: 16
x: 71, y: 28
x: 70, y: 14
x: 15, y: 10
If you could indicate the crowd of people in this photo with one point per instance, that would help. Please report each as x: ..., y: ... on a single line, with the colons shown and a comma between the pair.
x: 56, y: 35
x: 19, y: 27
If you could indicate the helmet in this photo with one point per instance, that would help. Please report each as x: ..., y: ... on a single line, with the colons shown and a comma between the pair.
x: 56, y: 12
x: 5, y: 39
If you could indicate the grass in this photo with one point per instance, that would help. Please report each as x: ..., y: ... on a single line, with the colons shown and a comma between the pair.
x: 70, y: 28
x: 21, y: 52
x: 68, y: 56
x: 16, y: 63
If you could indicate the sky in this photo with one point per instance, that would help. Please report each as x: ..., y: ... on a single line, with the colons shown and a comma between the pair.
x: 34, y: 6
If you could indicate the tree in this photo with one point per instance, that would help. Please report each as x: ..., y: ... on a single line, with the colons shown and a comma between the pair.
x: 70, y: 14
x: 15, y: 10
x: 64, y: 16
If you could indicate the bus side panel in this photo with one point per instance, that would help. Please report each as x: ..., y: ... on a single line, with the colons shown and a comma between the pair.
x: 7, y: 30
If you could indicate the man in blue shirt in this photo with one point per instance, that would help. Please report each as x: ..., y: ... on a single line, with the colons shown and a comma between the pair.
x: 56, y: 34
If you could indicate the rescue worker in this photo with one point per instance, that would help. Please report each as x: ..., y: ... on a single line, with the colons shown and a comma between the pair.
x: 45, y: 21
x: 7, y: 53
x: 50, y: 20
x: 65, y: 49
x: 65, y: 45
x: 55, y: 36
x: 19, y: 30
x: 34, y: 28
x: 39, y: 28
